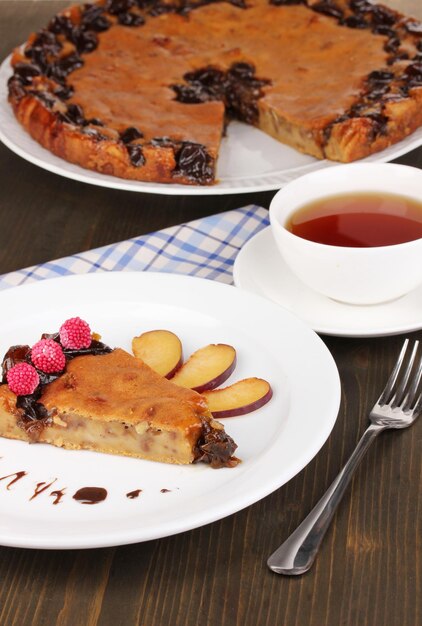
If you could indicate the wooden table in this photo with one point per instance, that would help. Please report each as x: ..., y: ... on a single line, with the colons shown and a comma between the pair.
x: 368, y: 572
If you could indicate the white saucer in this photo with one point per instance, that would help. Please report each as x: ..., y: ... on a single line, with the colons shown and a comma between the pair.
x: 260, y: 268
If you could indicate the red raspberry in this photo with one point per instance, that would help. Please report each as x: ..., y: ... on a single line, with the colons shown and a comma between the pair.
x: 22, y: 379
x: 75, y: 334
x: 48, y: 356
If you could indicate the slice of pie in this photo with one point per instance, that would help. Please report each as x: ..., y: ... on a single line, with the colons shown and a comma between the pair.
x: 143, y: 89
x: 109, y: 401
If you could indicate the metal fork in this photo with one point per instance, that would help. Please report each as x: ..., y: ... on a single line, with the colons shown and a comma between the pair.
x: 397, y: 407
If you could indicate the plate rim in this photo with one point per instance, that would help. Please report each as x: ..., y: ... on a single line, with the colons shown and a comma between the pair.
x: 133, y: 536
x: 319, y: 328
x: 224, y: 187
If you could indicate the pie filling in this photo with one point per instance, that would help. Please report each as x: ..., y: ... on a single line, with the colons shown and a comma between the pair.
x: 151, y: 84
x: 108, y: 401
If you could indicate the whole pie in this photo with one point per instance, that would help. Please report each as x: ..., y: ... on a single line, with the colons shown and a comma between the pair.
x: 107, y: 401
x: 143, y: 89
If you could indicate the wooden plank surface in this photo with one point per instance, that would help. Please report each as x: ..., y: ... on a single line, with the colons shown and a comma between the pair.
x: 369, y: 570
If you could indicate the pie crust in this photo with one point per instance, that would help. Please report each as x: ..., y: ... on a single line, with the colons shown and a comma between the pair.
x: 142, y: 89
x: 115, y: 403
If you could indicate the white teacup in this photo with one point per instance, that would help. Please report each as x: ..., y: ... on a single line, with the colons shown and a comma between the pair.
x: 353, y: 275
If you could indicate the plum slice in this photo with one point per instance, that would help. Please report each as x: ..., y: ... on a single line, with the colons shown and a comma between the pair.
x: 207, y: 368
x: 242, y: 397
x: 161, y: 350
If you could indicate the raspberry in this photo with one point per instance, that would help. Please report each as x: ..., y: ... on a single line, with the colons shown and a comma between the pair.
x: 22, y: 379
x: 75, y: 334
x: 48, y: 356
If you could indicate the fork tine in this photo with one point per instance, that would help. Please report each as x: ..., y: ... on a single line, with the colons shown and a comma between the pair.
x: 385, y: 395
x: 399, y: 393
x: 409, y: 400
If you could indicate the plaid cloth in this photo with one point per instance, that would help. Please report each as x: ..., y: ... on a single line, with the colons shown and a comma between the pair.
x: 205, y: 248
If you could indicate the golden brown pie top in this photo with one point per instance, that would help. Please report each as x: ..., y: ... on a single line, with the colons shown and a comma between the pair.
x: 142, y: 88
x: 119, y: 387
x: 133, y: 70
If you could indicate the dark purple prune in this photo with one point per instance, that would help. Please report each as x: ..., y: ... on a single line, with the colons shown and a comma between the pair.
x: 354, y: 21
x: 136, y: 155
x: 413, y: 27
x: 93, y: 18
x: 61, y: 25
x: 64, y: 92
x: 380, y: 76
x: 414, y: 72
x: 32, y: 409
x: 114, y: 7
x: 130, y: 134
x: 398, y: 56
x: 379, y: 123
x: 95, y: 122
x: 377, y: 91
x: 190, y: 94
x: 242, y: 71
x: 84, y: 40
x: 379, y: 29
x: 207, y: 77
x: 130, y: 19
x: 382, y: 16
x: 14, y: 355
x: 360, y: 6
x: 39, y: 57
x: 26, y: 72
x: 328, y: 8
x: 392, y: 44
x: 74, y: 115
x: 419, y: 45
x: 46, y: 39
x: 16, y: 89
x: 68, y: 64
x: 194, y: 162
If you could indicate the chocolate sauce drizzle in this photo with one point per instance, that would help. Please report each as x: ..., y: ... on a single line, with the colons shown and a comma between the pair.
x: 57, y: 495
x: 90, y: 495
x: 133, y: 494
x: 41, y: 487
x: 33, y: 414
x: 17, y: 476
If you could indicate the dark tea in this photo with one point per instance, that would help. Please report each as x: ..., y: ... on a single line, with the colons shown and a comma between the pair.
x: 361, y: 220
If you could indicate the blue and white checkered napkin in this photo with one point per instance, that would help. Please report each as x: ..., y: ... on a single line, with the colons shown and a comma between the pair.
x: 205, y: 248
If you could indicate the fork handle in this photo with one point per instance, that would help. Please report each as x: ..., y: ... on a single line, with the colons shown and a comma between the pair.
x: 296, y: 555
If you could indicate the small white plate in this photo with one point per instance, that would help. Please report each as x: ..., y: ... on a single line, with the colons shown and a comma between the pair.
x: 249, y: 159
x: 259, y: 268
x: 275, y: 442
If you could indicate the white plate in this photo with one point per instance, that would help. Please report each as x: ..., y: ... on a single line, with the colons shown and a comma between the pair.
x: 259, y: 268
x: 275, y: 442
x: 249, y: 159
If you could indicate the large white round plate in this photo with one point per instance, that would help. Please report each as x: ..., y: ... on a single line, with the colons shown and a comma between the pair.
x: 259, y: 268
x: 249, y: 159
x: 275, y: 442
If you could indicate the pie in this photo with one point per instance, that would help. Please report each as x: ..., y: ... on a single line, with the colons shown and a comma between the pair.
x: 109, y: 401
x: 143, y: 89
